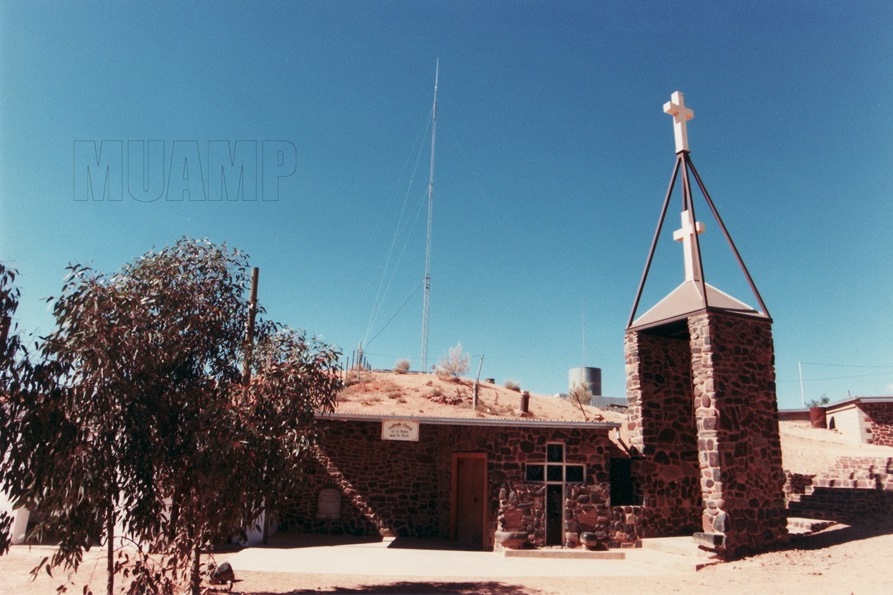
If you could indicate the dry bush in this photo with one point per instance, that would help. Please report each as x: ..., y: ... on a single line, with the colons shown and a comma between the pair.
x: 512, y: 385
x: 580, y: 394
x: 455, y: 364
x: 402, y: 366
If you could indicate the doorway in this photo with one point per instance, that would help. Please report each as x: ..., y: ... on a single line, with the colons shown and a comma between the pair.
x: 469, y: 499
x: 554, y: 514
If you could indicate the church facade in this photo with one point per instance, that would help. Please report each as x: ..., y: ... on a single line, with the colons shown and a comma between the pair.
x: 481, y: 483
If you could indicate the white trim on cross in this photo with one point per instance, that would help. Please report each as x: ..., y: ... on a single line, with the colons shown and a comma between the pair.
x: 690, y: 251
x: 681, y: 114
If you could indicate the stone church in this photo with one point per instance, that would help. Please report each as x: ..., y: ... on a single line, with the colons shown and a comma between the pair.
x: 703, y: 456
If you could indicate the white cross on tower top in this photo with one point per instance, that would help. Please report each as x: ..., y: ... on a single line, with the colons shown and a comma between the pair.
x: 690, y: 251
x: 681, y: 114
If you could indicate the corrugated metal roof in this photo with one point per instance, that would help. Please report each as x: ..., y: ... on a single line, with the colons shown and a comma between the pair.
x: 473, y: 421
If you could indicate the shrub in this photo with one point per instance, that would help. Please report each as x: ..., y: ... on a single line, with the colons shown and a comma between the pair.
x: 580, y: 394
x: 402, y: 366
x: 455, y: 364
x: 820, y: 402
x: 513, y: 385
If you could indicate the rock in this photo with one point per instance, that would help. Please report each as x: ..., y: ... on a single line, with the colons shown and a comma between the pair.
x: 221, y: 575
x: 512, y: 540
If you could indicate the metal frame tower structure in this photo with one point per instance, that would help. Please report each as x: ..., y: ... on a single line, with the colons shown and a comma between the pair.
x: 427, y: 297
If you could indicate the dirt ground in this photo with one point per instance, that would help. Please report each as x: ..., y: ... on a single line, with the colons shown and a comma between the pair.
x: 842, y: 559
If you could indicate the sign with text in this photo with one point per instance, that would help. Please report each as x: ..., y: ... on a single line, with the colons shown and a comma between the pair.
x: 400, y: 429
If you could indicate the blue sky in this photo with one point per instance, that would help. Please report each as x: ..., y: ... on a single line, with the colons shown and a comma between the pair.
x: 553, y: 158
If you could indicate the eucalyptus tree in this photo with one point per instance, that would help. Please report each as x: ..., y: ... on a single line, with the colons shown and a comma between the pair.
x: 9, y: 347
x: 136, y: 417
x: 295, y: 378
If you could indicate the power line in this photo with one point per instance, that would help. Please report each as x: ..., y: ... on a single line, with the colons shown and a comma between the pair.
x: 847, y: 377
x: 847, y: 365
x: 393, y: 316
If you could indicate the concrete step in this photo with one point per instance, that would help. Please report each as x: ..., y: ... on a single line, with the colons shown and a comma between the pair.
x: 679, y: 546
x: 565, y: 553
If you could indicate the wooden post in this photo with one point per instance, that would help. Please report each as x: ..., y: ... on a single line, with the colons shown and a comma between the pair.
x: 249, y: 331
x: 477, y: 382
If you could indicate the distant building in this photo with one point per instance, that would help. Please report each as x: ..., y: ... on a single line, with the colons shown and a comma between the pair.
x: 865, y: 420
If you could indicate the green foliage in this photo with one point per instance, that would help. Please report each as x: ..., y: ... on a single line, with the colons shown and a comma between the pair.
x: 820, y: 402
x: 135, y: 412
x: 9, y: 347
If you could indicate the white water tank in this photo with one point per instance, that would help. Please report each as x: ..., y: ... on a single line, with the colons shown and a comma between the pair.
x: 591, y: 378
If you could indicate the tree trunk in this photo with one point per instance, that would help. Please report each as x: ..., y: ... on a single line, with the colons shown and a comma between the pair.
x: 195, y: 578
x: 110, y: 545
x: 265, y: 521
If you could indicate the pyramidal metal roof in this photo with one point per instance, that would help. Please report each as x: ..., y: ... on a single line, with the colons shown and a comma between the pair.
x: 688, y: 299
x: 694, y: 294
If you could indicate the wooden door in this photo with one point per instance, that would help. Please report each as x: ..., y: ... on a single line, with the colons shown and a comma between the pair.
x: 469, y: 499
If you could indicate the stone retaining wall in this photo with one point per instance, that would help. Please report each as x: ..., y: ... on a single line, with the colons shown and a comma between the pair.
x: 853, y: 487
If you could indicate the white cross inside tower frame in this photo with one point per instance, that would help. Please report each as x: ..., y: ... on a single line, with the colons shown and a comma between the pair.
x: 681, y: 114
x: 690, y: 249
x: 682, y: 298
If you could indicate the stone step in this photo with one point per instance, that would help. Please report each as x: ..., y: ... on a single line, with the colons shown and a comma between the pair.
x: 565, y: 553
x: 804, y: 526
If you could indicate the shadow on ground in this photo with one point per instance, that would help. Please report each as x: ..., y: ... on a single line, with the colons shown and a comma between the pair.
x: 863, y: 528
x: 294, y: 540
x: 417, y: 587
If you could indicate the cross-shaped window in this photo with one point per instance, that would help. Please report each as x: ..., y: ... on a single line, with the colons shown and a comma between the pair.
x: 556, y: 469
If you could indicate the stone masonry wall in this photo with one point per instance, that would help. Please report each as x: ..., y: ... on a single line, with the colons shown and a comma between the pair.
x: 588, y: 514
x: 663, y: 433
x: 738, y: 441
x: 853, y: 487
x: 390, y: 488
x: 880, y: 422
x: 404, y: 488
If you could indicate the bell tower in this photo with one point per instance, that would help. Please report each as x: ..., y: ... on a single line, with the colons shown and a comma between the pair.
x: 700, y: 380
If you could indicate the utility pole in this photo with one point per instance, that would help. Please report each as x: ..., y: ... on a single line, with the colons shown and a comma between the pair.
x: 477, y: 382
x: 248, y: 348
x: 802, y: 398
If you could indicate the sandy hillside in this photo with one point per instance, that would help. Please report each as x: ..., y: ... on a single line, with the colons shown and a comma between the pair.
x: 430, y: 395
x: 804, y: 449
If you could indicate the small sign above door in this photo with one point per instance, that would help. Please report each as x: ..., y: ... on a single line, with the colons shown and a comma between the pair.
x: 400, y: 429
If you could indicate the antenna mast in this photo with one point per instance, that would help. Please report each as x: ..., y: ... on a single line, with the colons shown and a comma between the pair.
x: 428, y: 240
